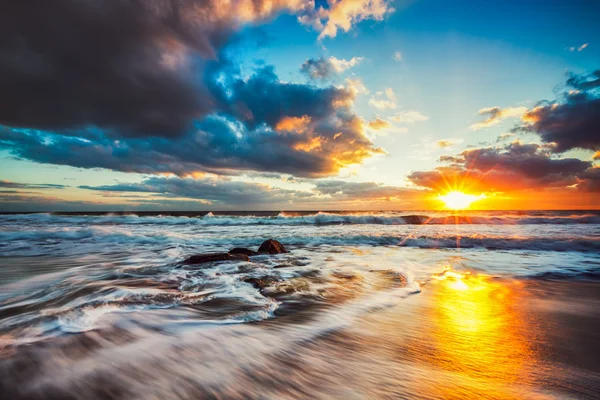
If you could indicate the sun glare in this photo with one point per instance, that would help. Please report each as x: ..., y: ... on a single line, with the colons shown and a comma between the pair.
x: 458, y: 200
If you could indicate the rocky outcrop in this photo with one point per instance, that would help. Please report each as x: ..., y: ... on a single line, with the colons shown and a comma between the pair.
x: 238, y: 254
x: 212, y: 257
x: 243, y: 250
x: 271, y: 247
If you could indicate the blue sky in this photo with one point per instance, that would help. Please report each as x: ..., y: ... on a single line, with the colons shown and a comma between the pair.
x: 442, y: 61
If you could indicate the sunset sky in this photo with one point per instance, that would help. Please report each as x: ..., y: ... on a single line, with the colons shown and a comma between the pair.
x: 299, y: 105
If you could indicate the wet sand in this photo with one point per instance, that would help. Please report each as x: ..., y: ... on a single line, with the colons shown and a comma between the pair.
x: 462, y: 337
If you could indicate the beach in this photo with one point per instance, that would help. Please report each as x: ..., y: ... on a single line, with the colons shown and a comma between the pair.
x: 364, y: 305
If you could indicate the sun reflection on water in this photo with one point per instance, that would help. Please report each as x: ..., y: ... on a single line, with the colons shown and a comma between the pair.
x: 479, y: 330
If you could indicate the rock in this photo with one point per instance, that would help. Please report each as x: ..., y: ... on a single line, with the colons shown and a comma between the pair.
x: 211, y: 257
x: 242, y: 250
x: 272, y: 247
x: 261, y: 283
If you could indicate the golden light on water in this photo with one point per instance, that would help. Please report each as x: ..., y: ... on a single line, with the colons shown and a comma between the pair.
x: 456, y: 200
x: 479, y: 330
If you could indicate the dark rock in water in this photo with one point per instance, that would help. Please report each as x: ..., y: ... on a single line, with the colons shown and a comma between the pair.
x: 211, y: 257
x: 272, y: 247
x: 242, y: 250
x: 261, y: 283
x: 414, y: 219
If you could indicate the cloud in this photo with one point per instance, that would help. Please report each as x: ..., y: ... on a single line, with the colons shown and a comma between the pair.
x: 132, y: 67
x: 149, y: 87
x: 445, y: 143
x: 356, y: 87
x: 409, y: 117
x: 382, y: 104
x: 213, y: 191
x: 378, y: 123
x: 364, y: 190
x: 579, y: 48
x: 343, y: 14
x: 512, y: 167
x: 574, y: 121
x: 228, y: 193
x: 252, y: 132
x: 17, y: 185
x: 327, y: 68
x: 389, y: 93
x: 590, y: 180
x: 496, y: 114
x: 397, y: 56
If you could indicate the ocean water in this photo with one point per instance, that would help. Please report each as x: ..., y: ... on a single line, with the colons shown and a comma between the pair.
x: 100, y: 305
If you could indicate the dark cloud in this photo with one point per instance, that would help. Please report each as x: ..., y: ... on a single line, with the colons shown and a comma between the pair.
x: 130, y: 66
x: 511, y: 167
x: 17, y: 185
x: 573, y: 123
x: 263, y: 125
x: 214, y: 191
x: 149, y: 87
x: 590, y: 180
x: 584, y: 81
x: 22, y: 201
x: 228, y: 193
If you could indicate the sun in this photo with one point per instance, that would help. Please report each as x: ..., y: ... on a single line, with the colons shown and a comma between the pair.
x: 458, y: 200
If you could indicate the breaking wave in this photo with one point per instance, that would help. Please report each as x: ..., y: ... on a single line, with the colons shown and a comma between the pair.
x: 39, y: 240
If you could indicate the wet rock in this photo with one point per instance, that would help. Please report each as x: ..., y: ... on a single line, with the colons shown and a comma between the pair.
x: 243, y: 250
x: 262, y: 282
x: 293, y: 285
x: 272, y: 247
x: 211, y: 257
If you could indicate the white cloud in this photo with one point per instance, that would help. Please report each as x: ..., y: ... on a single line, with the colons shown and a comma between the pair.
x: 409, y: 117
x: 382, y: 104
x: 580, y: 48
x: 356, y: 86
x: 389, y: 93
x: 340, y: 65
x: 344, y: 14
x: 397, y: 56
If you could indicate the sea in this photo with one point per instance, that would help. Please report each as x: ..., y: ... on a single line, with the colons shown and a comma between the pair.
x: 101, y: 305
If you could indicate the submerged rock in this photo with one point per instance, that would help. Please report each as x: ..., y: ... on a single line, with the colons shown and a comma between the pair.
x: 272, y: 247
x: 239, y: 253
x: 242, y: 250
x: 263, y: 282
x: 211, y: 257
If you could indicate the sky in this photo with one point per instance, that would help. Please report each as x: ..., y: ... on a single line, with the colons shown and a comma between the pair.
x: 299, y: 105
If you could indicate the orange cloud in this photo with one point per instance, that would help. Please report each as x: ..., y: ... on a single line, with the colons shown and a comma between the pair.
x: 314, y: 143
x: 378, y: 123
x: 293, y: 124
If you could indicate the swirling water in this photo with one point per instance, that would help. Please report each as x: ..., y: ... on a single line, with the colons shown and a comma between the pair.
x: 100, y: 305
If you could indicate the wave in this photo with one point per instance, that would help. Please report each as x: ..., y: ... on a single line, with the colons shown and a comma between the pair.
x: 10, y: 241
x: 320, y: 218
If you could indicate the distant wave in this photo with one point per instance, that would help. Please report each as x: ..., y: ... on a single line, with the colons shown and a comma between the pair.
x: 320, y: 218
